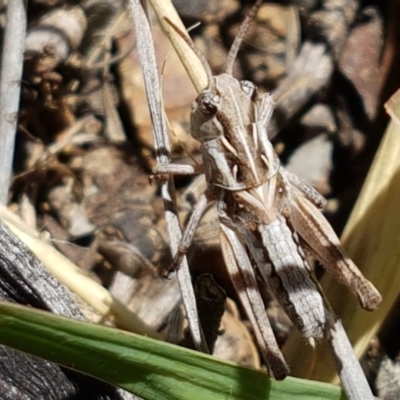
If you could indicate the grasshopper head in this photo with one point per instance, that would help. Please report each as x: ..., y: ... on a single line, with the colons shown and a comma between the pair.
x: 222, y: 109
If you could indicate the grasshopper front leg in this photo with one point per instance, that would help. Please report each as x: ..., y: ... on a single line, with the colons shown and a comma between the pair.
x: 177, y: 169
x: 188, y: 235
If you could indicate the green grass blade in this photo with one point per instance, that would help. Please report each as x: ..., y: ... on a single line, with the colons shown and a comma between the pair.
x: 146, y: 367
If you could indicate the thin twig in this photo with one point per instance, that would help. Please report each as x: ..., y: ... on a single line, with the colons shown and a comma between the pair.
x: 10, y: 86
x: 349, y: 369
x: 151, y: 79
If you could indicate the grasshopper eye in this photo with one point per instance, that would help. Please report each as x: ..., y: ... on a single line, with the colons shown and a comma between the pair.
x: 249, y: 88
x: 208, y: 103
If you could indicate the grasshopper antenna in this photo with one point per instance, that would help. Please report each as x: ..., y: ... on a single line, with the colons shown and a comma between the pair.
x: 239, y: 37
x: 198, y: 53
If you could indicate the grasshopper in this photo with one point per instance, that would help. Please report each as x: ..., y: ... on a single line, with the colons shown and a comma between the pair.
x: 270, y: 219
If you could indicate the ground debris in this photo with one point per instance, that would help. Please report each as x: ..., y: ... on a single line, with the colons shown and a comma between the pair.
x: 84, y: 150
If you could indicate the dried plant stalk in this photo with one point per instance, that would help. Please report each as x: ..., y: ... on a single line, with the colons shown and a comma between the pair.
x: 161, y: 142
x: 10, y: 86
x: 165, y: 10
x: 371, y: 238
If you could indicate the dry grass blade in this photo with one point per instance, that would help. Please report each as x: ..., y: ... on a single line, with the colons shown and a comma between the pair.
x: 371, y: 238
x: 73, y: 277
x: 149, y: 67
x: 164, y: 9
